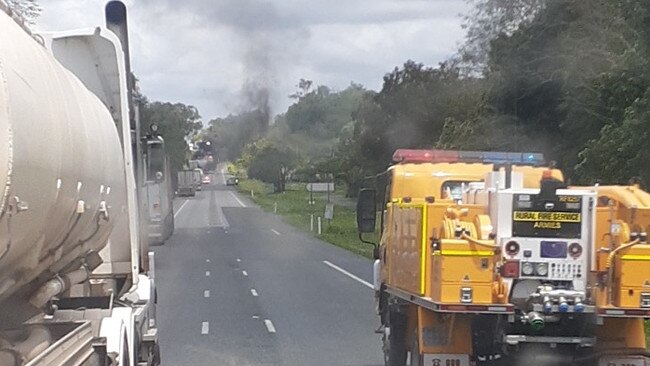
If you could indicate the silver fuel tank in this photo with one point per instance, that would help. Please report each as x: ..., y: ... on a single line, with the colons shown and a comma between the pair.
x: 62, y: 173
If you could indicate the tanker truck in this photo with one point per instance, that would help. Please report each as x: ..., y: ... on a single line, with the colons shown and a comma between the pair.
x: 489, y: 258
x: 77, y: 284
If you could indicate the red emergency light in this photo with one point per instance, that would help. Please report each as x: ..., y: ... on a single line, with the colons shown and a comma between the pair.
x: 412, y: 156
x: 425, y: 156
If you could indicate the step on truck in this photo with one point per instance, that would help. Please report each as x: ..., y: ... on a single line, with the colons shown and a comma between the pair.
x: 488, y: 258
x: 77, y: 284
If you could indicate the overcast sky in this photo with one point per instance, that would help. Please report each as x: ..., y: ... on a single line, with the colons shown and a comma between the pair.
x: 208, y: 53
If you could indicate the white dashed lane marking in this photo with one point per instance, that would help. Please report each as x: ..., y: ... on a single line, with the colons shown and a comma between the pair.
x: 269, y: 326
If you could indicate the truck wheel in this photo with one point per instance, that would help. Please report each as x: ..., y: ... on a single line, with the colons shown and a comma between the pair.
x: 395, y: 346
x: 155, y: 356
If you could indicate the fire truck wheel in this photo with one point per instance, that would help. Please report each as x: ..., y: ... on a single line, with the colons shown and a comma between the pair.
x: 395, y: 352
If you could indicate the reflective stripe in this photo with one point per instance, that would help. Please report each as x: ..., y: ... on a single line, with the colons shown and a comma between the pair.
x: 423, y: 256
x: 464, y: 253
x: 635, y: 257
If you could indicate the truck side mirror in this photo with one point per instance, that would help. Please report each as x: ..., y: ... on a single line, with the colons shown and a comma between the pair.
x: 366, y: 211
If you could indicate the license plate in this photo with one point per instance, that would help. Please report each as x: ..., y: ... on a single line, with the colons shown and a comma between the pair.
x: 623, y: 361
x: 440, y: 359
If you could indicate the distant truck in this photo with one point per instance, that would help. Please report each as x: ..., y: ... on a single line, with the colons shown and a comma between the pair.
x: 197, y: 176
x: 186, y: 183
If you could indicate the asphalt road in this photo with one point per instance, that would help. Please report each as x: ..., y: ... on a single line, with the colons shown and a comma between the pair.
x: 237, y: 286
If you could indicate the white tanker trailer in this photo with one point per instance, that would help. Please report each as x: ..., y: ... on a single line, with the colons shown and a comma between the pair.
x: 76, y: 281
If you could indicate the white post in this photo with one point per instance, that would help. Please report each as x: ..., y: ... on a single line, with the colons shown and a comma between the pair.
x: 311, y: 222
x: 252, y: 193
x: 275, y: 207
x: 319, y: 226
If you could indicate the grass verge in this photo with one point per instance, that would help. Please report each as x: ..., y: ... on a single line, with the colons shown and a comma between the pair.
x: 293, y: 205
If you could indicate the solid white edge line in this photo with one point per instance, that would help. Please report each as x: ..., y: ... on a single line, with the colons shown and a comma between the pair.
x: 363, y: 282
x: 269, y: 326
x: 206, y: 293
x: 205, y: 328
x: 254, y: 292
x: 237, y: 199
x: 244, y: 273
x: 275, y: 232
x: 180, y: 208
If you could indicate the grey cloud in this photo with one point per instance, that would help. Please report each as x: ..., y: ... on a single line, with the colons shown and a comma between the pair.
x: 268, y: 41
x: 241, y: 15
x: 212, y: 53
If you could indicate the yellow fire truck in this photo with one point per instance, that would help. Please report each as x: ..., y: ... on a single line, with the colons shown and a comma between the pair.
x: 488, y: 258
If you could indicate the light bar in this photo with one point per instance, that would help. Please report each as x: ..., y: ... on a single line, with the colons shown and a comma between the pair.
x: 453, y: 156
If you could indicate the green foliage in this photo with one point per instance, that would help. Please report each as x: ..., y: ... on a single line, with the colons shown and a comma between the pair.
x: 411, y: 111
x: 231, y: 134
x: 323, y: 113
x: 488, y: 20
x: 176, y: 123
x: 269, y: 163
x: 558, y: 77
x: 313, y: 127
x: 621, y: 151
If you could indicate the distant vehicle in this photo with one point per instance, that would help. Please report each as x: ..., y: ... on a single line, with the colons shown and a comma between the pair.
x: 207, y: 179
x: 198, y: 173
x: 232, y: 181
x: 186, y: 184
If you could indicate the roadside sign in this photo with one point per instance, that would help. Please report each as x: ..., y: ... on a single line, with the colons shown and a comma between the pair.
x: 320, y: 187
